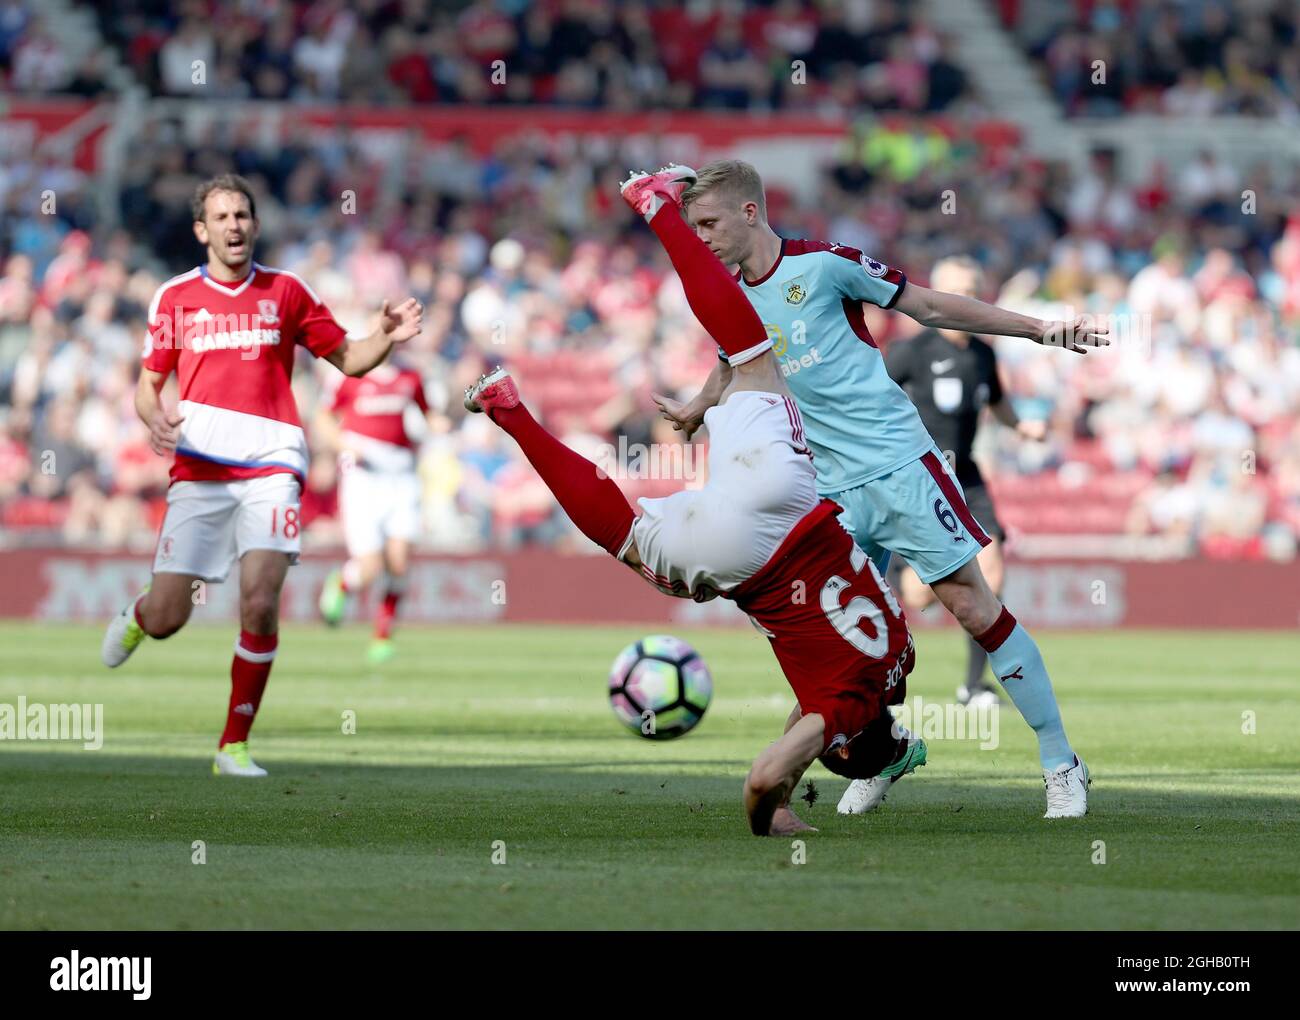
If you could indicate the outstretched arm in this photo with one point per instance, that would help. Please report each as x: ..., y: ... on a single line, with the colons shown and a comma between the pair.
x: 777, y: 772
x: 950, y: 311
x: 795, y: 715
x: 396, y: 325
x: 689, y: 417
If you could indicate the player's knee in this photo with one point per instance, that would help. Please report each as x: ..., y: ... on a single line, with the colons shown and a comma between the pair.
x: 260, y: 609
x: 968, y: 597
x: 961, y: 603
x: 166, y: 625
x: 976, y: 614
x: 162, y: 619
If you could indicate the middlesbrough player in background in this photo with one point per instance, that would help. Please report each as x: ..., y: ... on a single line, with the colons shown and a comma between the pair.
x: 370, y: 423
x: 230, y: 330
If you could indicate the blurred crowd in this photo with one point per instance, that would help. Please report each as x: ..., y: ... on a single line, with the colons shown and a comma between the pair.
x: 1187, y: 428
x: 625, y: 55
x: 1177, y: 57
x: 1194, y: 58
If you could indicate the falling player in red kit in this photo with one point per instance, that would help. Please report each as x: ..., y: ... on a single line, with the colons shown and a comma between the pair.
x: 371, y: 421
x: 230, y: 330
x: 758, y: 534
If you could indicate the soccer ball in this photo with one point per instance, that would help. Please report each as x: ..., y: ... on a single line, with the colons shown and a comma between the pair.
x: 659, y: 687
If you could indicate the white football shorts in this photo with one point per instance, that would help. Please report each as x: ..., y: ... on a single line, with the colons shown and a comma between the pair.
x: 377, y: 506
x: 209, y: 525
x: 761, y: 483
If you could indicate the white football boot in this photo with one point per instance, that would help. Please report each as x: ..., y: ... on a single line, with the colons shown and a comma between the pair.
x: 865, y: 795
x: 122, y: 636
x: 233, y: 759
x: 978, y: 695
x: 1067, y: 790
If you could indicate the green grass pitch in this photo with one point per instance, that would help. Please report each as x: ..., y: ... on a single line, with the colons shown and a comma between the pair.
x: 478, y: 735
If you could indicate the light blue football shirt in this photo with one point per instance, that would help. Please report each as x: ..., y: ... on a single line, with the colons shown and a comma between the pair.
x: 858, y: 422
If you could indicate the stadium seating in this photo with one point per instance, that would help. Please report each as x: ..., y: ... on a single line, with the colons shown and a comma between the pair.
x: 526, y: 237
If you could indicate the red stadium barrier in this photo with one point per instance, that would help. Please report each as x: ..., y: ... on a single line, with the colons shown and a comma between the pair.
x: 28, y: 125
x: 483, y: 127
x: 540, y: 586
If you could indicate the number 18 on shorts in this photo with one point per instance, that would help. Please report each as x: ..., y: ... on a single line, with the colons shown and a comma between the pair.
x: 210, y: 525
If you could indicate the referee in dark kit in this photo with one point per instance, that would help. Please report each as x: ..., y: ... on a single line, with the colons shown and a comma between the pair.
x: 951, y: 376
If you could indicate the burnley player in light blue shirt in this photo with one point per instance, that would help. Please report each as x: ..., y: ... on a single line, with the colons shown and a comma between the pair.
x: 872, y: 453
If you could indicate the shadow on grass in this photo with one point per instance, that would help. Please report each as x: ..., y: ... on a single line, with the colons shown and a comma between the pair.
x: 51, y: 783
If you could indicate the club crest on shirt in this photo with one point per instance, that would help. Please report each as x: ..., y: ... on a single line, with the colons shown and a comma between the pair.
x: 795, y: 291
x: 268, y: 312
x: 873, y: 267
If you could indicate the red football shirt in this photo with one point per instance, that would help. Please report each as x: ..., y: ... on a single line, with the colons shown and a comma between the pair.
x: 232, y: 348
x: 835, y: 625
x: 371, y: 411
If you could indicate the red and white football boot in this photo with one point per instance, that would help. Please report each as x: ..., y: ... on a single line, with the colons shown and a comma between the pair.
x: 494, y: 390
x: 647, y: 193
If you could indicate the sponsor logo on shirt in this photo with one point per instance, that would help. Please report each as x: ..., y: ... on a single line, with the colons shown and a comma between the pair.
x: 381, y: 403
x: 204, y: 331
x: 235, y: 340
x: 792, y: 366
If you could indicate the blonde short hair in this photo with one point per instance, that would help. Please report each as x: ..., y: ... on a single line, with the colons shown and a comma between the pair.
x: 735, y: 177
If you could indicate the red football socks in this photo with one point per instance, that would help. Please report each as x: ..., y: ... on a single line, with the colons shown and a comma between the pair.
x: 592, y: 500
x: 386, y: 613
x: 249, y: 671
x: 714, y: 296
